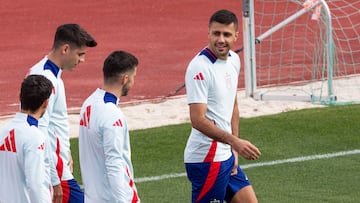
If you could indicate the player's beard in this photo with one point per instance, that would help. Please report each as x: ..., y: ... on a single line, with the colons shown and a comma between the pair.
x: 222, y: 50
x: 42, y: 114
x: 125, y: 90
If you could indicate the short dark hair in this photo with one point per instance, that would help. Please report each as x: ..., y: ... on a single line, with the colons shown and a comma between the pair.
x: 74, y: 35
x: 35, y: 89
x: 225, y: 17
x: 118, y: 62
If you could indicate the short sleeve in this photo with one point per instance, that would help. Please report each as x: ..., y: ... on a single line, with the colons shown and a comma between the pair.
x: 197, y: 82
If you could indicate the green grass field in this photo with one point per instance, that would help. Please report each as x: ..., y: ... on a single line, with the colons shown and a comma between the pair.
x: 157, y: 156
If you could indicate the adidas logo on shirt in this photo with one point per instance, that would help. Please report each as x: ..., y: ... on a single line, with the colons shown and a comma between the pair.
x: 199, y: 76
x: 42, y: 146
x: 85, y: 120
x: 9, y: 142
x: 118, y: 123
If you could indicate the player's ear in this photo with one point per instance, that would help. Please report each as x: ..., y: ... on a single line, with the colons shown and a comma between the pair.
x: 236, y: 35
x: 65, y: 48
x: 45, y: 104
x: 43, y: 107
x: 124, y: 79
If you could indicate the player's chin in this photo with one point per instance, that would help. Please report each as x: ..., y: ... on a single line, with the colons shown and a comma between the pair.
x: 222, y: 51
x: 72, y: 68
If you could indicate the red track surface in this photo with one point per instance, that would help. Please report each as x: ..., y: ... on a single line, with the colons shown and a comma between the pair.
x: 164, y: 35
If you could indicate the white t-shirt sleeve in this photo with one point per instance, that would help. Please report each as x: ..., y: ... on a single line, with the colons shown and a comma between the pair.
x: 197, y: 81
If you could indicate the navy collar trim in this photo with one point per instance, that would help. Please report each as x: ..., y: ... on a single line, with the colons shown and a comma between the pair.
x: 49, y: 65
x: 32, y: 121
x: 209, y: 54
x: 108, y: 97
x: 206, y: 52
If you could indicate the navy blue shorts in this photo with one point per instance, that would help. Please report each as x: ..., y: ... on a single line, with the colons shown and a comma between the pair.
x: 72, y: 192
x: 212, y: 181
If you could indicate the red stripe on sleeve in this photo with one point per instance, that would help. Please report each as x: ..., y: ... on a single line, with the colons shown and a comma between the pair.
x: 59, y: 165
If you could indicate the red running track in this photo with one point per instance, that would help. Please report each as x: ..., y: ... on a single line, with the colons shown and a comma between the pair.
x: 164, y: 35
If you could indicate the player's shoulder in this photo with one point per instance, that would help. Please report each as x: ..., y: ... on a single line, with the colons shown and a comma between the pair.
x: 39, y: 69
x: 205, y: 57
x: 111, y: 109
x: 110, y: 116
x: 102, y: 100
x: 27, y: 137
x: 199, y: 63
x: 34, y: 140
x: 30, y: 132
x: 233, y: 56
x: 99, y: 109
x: 234, y: 60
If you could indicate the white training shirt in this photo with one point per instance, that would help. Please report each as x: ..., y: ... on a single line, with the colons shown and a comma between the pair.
x: 22, y: 162
x: 211, y: 81
x: 105, y: 155
x: 54, y: 122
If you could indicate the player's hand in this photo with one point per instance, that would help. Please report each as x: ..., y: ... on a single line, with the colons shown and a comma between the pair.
x: 70, y: 163
x: 246, y: 149
x: 234, y: 171
x: 58, y: 194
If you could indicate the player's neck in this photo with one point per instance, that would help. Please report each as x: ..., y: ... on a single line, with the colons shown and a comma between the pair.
x: 113, y: 90
x: 36, y: 115
x: 52, y: 56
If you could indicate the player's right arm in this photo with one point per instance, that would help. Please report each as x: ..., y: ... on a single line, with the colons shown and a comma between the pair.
x: 50, y: 144
x: 197, y: 89
x: 50, y: 152
x: 43, y: 126
x: 204, y: 125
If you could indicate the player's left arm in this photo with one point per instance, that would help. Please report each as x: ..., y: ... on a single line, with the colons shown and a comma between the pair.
x: 115, y: 166
x: 235, y: 131
x: 71, y: 162
x: 34, y: 166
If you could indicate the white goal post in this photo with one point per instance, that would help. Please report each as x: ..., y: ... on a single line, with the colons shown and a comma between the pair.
x: 286, y: 50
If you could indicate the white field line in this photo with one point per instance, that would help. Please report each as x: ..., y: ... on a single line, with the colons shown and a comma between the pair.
x: 269, y: 163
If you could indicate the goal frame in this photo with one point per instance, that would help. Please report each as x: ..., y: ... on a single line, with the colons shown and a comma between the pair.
x: 249, y: 45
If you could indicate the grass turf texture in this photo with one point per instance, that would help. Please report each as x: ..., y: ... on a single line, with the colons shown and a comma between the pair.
x: 159, y: 151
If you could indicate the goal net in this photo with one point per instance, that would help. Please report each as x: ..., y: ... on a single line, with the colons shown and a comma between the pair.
x: 307, y: 50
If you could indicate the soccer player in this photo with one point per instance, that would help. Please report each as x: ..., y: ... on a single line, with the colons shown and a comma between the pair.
x: 69, y: 49
x: 104, y: 141
x: 22, y: 157
x: 211, y: 153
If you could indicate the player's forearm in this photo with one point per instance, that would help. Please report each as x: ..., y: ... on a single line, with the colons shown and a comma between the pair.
x: 209, y: 129
x: 115, y: 173
x: 36, y: 184
x: 235, y: 126
x: 235, y: 118
x: 54, y: 177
